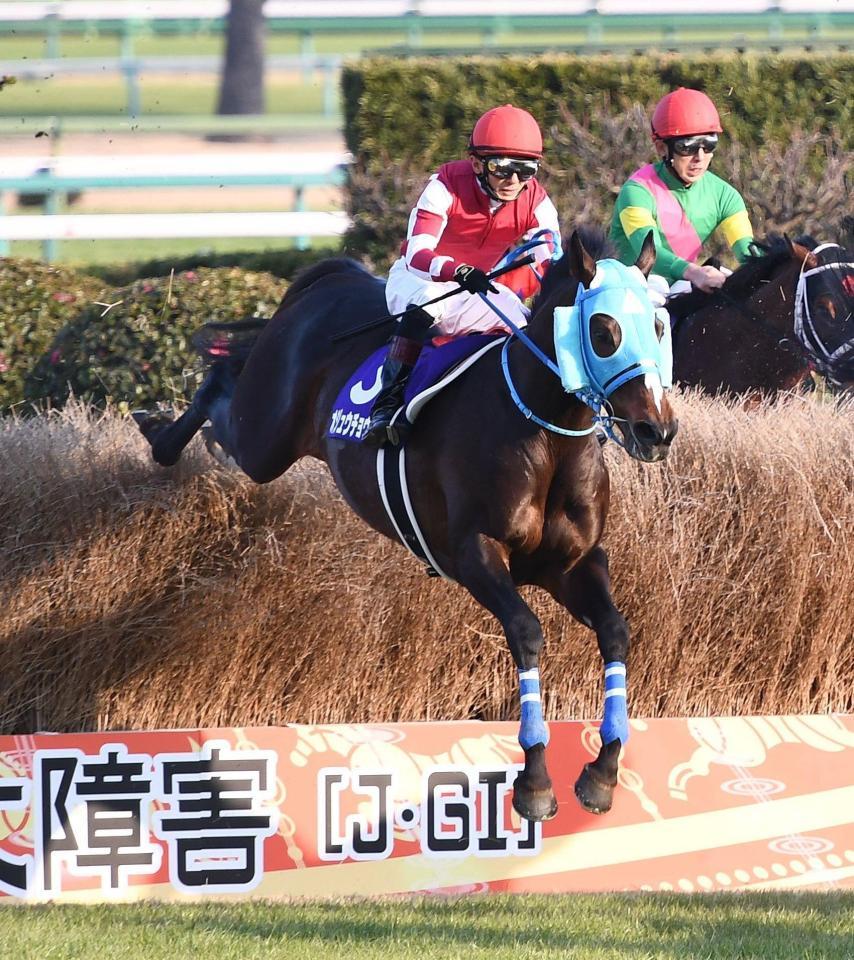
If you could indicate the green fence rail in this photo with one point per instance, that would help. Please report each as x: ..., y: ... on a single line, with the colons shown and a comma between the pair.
x: 591, y: 29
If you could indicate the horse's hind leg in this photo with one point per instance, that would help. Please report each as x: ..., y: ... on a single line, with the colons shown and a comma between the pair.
x: 482, y: 569
x: 586, y: 592
x: 168, y: 438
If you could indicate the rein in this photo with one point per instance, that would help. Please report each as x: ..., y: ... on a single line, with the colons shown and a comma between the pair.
x: 381, y: 321
x: 595, y: 403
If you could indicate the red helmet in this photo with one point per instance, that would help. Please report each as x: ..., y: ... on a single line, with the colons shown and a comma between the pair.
x: 683, y: 113
x: 507, y: 131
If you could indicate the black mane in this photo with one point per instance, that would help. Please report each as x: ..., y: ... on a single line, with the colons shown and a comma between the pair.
x: 757, y: 269
x: 596, y: 242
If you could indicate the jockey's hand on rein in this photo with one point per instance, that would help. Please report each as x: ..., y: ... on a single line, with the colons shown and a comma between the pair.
x: 473, y: 280
x: 706, y: 279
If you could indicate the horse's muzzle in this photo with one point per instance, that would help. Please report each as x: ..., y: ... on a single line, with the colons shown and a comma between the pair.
x: 649, y: 441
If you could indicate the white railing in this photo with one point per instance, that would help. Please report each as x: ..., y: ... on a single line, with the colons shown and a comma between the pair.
x: 274, y: 167
x: 112, y: 226
x: 50, y: 177
x: 309, y: 64
x: 144, y: 10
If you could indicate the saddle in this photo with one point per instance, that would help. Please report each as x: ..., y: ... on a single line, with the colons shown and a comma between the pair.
x: 440, y: 363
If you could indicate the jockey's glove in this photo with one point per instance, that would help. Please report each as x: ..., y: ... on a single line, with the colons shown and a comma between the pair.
x: 657, y: 289
x: 473, y: 280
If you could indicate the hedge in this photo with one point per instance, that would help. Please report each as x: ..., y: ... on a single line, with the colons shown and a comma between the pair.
x: 137, y: 352
x: 37, y: 300
x: 404, y: 118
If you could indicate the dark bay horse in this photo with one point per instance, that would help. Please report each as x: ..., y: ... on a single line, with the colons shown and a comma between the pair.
x: 777, y: 318
x: 502, y: 500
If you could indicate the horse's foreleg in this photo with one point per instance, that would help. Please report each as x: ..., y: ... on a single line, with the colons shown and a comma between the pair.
x: 586, y: 592
x: 482, y: 569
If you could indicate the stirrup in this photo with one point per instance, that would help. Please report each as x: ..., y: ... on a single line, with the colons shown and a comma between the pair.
x: 386, y: 430
x: 377, y: 436
x: 398, y: 431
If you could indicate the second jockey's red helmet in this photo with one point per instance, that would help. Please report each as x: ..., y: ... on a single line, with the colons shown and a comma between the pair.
x: 507, y: 131
x: 683, y: 113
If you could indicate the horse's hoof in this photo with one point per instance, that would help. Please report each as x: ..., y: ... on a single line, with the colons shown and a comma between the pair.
x: 594, y: 795
x: 154, y: 427
x: 151, y: 424
x: 534, y: 805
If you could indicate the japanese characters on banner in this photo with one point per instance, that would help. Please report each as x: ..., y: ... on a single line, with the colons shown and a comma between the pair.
x: 703, y: 804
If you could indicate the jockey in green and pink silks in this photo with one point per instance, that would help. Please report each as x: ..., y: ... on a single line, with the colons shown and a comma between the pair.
x: 678, y: 198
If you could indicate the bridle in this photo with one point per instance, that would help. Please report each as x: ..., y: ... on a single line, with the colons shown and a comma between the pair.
x: 827, y: 362
x: 806, y: 343
x: 593, y: 393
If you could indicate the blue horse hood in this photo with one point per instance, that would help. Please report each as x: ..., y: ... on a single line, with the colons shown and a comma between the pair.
x: 620, y: 292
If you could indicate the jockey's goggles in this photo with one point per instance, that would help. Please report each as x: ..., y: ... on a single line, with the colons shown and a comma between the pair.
x: 504, y: 167
x: 690, y: 146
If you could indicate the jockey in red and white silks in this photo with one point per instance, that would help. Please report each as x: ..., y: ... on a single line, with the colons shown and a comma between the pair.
x: 470, y: 214
x: 456, y: 221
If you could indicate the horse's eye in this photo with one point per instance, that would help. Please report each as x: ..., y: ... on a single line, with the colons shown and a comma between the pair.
x: 605, y: 335
x: 659, y: 328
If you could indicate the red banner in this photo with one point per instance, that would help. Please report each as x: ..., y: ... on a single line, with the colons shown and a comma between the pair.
x: 703, y: 804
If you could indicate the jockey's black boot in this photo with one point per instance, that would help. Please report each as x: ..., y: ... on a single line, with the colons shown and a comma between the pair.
x: 402, y: 354
x: 389, y: 399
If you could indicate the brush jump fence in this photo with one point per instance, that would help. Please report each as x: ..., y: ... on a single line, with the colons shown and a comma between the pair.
x: 52, y: 179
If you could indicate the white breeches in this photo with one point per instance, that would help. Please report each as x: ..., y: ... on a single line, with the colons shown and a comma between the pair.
x: 464, y: 313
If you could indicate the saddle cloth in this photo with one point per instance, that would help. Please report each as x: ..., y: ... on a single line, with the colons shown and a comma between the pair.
x: 437, y: 366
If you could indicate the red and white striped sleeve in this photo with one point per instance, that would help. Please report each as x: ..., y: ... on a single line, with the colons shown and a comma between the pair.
x: 427, y: 222
x: 545, y: 218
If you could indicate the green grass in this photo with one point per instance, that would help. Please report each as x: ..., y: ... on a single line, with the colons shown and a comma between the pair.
x: 83, y: 253
x: 356, y: 42
x: 106, y: 96
x: 604, y: 927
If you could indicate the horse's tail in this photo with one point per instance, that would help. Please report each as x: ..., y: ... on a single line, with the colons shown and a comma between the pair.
x: 227, y: 341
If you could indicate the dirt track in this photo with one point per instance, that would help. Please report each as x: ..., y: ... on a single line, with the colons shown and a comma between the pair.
x: 180, y: 198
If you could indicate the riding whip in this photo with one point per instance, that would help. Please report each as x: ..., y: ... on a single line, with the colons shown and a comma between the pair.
x: 379, y: 321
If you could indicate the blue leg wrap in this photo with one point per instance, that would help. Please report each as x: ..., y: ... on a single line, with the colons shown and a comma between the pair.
x: 533, y: 729
x: 615, y: 723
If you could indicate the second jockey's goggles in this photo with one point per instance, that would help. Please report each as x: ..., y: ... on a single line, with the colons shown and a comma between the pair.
x: 504, y: 167
x: 690, y: 146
